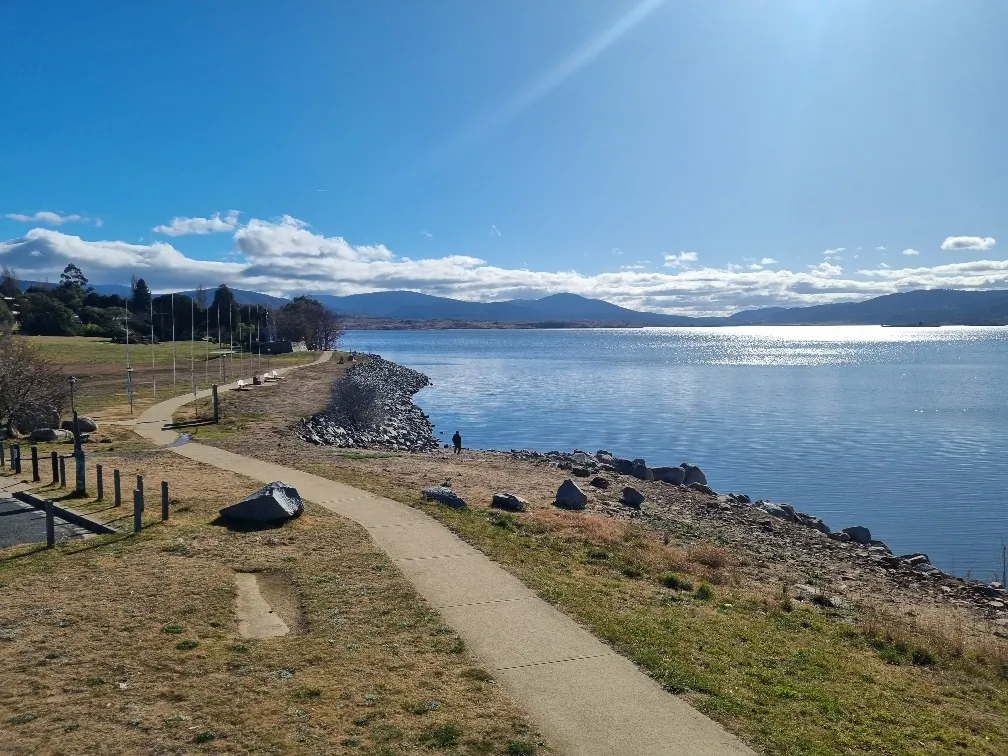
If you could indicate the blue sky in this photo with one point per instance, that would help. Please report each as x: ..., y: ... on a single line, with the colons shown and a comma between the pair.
x: 655, y: 154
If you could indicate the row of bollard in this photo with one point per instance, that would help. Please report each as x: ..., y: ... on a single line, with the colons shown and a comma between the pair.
x: 13, y: 451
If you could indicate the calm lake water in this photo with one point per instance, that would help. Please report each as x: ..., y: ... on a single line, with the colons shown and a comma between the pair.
x: 904, y: 430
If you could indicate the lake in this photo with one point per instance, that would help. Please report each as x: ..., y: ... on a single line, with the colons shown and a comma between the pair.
x: 904, y: 430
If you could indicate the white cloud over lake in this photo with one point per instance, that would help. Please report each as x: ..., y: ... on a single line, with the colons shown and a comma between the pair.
x: 285, y: 256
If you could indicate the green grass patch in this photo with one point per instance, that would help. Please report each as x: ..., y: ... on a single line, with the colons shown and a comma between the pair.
x: 187, y: 645
x: 445, y: 736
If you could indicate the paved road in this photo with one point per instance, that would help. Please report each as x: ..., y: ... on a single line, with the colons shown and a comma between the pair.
x: 20, y: 523
x: 586, y: 698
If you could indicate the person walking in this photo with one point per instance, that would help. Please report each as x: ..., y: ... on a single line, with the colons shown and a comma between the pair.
x: 457, y: 440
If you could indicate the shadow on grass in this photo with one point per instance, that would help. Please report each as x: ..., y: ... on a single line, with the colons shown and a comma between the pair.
x: 236, y: 526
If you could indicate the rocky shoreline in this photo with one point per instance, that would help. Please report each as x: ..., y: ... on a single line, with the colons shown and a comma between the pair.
x: 400, y: 426
x: 665, y: 497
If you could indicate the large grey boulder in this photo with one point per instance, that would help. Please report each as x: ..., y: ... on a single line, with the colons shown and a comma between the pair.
x: 86, y: 424
x: 673, y: 475
x: 641, y: 471
x: 692, y: 474
x: 444, y: 495
x: 858, y: 534
x: 569, y: 496
x: 632, y: 497
x: 623, y: 466
x: 784, y: 511
x: 274, y: 502
x: 810, y: 521
x: 51, y: 436
x: 509, y: 502
x: 702, y: 488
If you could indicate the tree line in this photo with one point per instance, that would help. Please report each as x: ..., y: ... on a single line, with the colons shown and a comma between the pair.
x: 73, y: 308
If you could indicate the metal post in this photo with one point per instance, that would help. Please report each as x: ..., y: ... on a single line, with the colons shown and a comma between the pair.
x: 16, y: 457
x: 50, y: 525
x: 139, y: 485
x: 100, y: 483
x: 2, y: 454
x: 137, y: 510
x: 116, y: 487
x: 35, y: 472
x: 55, y: 467
x: 164, y: 500
x: 62, y: 463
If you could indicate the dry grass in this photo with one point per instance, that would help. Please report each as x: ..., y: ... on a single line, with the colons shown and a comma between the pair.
x: 100, y: 368
x: 130, y: 642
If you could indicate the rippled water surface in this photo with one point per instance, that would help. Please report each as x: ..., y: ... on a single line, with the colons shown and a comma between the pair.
x: 901, y: 429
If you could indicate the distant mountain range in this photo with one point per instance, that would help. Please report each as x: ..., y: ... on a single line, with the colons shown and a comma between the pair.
x: 924, y: 307
x: 398, y: 309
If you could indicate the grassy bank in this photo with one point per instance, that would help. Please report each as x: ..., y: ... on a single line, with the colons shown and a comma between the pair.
x: 133, y: 641
x: 100, y: 368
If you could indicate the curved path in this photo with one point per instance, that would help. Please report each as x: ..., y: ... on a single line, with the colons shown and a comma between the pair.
x: 585, y: 697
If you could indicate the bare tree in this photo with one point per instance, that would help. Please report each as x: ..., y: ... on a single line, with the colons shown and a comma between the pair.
x: 355, y: 404
x: 33, y: 391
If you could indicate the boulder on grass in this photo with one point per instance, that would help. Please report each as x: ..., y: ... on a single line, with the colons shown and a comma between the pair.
x: 51, y: 436
x: 274, y: 502
x: 632, y: 497
x: 509, y: 502
x: 569, y: 496
x: 87, y: 425
x: 600, y: 482
x: 444, y: 495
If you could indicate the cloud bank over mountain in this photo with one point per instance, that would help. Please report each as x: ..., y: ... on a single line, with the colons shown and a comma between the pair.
x: 285, y: 256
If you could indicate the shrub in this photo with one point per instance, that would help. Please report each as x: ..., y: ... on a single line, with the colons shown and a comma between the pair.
x: 676, y: 582
x: 444, y: 736
x: 704, y: 592
x: 355, y: 404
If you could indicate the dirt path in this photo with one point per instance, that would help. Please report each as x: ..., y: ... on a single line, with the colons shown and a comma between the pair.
x: 586, y: 698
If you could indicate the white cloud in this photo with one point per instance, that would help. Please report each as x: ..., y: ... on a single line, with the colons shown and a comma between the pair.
x: 427, y: 234
x: 617, y: 251
x: 768, y: 261
x: 494, y: 231
x: 199, y: 226
x: 910, y: 252
x: 880, y: 249
x: 836, y: 251
x: 47, y: 217
x: 285, y: 256
x: 826, y: 269
x: 680, y: 260
x: 755, y: 266
x: 633, y: 267
x: 982, y: 243
x: 883, y: 265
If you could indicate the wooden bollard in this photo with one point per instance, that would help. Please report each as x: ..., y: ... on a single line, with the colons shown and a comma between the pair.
x: 35, y: 471
x: 55, y: 467
x: 99, y: 482
x: 164, y: 500
x: 118, y: 490
x: 3, y: 451
x: 16, y: 457
x: 62, y: 472
x: 50, y: 525
x: 140, y: 485
x: 137, y: 509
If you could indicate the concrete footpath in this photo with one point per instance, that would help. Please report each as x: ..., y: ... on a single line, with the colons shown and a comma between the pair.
x: 585, y: 697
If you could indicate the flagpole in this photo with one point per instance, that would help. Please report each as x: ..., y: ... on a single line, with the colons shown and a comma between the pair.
x: 129, y: 370
x: 192, y: 341
x: 220, y: 367
x: 153, y: 368
x: 230, y: 339
x: 258, y: 341
x: 173, y: 379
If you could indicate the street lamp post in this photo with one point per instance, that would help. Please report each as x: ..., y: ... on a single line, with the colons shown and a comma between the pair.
x: 73, y: 410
